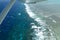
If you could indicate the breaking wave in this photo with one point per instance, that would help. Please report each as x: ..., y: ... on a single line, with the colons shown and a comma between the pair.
x: 42, y: 31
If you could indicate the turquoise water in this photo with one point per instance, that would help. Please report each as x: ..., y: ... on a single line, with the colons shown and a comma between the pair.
x: 16, y: 23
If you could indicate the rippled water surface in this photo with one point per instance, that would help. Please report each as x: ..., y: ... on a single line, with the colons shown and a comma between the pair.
x: 22, y: 22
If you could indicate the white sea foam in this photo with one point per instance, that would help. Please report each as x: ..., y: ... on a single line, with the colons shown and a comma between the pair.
x: 42, y: 32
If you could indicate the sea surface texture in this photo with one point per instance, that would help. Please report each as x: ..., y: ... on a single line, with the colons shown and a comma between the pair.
x: 28, y: 21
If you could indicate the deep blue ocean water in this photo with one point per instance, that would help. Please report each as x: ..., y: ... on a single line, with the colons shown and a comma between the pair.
x: 16, y: 23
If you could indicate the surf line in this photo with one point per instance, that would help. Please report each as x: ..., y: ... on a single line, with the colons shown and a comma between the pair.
x: 43, y: 32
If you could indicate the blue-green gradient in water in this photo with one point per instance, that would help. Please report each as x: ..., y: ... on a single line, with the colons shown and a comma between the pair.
x: 16, y: 24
